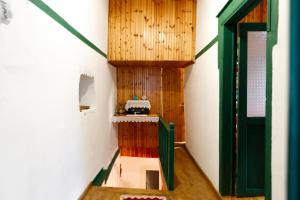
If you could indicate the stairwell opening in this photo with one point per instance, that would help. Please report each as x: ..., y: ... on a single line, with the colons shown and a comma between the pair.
x: 135, y: 172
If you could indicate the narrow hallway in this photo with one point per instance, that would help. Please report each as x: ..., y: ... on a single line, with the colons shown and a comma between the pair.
x: 206, y: 91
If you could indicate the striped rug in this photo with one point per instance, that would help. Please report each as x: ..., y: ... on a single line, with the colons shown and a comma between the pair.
x: 142, y: 197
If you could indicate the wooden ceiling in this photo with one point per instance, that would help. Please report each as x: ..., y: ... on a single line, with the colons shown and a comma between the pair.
x: 156, y: 33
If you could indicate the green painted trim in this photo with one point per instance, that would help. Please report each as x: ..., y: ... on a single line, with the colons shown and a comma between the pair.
x: 294, y: 126
x: 166, y: 151
x: 226, y: 31
x: 224, y: 8
x: 171, y: 158
x: 51, y: 13
x: 207, y: 47
x: 271, y: 42
x: 100, y: 178
x: 226, y: 111
x: 103, y: 175
x: 111, y: 164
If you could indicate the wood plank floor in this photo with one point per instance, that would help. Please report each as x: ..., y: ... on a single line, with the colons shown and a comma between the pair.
x: 190, y: 184
x: 248, y: 198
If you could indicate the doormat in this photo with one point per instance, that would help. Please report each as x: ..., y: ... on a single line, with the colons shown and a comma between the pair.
x: 143, y: 197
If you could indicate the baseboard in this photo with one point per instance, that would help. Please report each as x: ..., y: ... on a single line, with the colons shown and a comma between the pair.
x: 179, y: 144
x: 83, y: 195
x: 206, y: 177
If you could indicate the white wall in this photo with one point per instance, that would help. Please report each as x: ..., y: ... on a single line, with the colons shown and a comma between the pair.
x: 202, y: 93
x: 48, y: 149
x: 280, y: 103
x: 134, y: 171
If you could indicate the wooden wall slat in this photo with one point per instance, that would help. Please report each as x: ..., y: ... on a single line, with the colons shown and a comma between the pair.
x: 258, y: 14
x: 151, y: 30
x: 164, y: 88
x: 173, y: 100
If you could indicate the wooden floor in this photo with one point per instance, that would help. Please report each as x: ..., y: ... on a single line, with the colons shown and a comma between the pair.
x: 248, y: 198
x: 190, y: 184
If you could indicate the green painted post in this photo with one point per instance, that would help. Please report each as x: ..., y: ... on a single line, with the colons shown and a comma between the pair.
x: 171, y: 156
x: 294, y: 130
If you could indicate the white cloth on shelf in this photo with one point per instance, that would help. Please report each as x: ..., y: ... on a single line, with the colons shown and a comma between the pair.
x: 138, y: 104
x: 135, y: 118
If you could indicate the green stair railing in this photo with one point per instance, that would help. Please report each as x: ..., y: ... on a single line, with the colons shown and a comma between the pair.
x: 166, y: 151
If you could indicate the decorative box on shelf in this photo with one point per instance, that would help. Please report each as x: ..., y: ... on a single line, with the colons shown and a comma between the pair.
x: 137, y: 111
x: 138, y: 106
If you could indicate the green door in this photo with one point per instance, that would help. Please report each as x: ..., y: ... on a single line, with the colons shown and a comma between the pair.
x: 251, y: 110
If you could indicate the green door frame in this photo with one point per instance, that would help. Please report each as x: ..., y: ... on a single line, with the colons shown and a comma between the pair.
x: 232, y: 12
x: 294, y: 135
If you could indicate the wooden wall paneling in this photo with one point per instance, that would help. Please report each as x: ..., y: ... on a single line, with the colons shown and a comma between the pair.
x: 173, y: 100
x: 147, y: 30
x: 110, y: 32
x: 134, y: 29
x: 151, y: 32
x: 184, y: 29
x: 258, y: 14
x: 131, y: 33
x: 157, y: 22
x: 126, y: 29
x: 122, y: 25
x: 110, y: 29
x: 139, y: 27
x: 164, y: 88
x: 189, y: 29
x: 142, y: 28
x: 194, y: 28
x: 180, y: 29
x: 139, y: 139
x: 160, y: 36
x: 130, y: 30
x: 165, y: 33
x: 165, y: 29
x: 169, y: 31
x: 117, y: 32
x: 173, y: 27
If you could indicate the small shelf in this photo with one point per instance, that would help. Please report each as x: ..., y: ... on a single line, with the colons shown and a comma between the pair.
x: 135, y: 118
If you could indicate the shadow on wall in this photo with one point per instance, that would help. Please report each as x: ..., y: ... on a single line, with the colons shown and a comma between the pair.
x: 188, y: 72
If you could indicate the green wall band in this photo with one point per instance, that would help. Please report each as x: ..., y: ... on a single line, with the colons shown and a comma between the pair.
x: 103, y: 175
x: 51, y: 13
x: 207, y: 47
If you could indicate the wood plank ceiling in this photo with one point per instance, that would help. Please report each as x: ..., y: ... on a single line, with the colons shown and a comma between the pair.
x: 158, y: 33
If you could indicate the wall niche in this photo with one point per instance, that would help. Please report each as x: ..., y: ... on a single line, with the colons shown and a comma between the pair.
x: 87, y: 95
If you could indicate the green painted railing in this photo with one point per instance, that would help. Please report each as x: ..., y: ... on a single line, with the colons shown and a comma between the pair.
x: 166, y: 151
